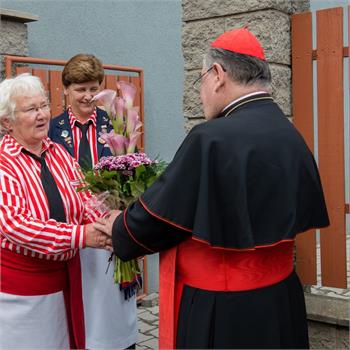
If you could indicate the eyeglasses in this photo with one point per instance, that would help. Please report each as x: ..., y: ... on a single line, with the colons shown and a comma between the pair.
x: 33, y: 111
x: 196, y: 84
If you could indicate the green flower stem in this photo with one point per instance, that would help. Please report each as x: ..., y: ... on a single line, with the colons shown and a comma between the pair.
x: 125, y: 271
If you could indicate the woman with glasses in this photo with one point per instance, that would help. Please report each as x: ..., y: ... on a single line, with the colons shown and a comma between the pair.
x: 78, y: 130
x: 44, y: 222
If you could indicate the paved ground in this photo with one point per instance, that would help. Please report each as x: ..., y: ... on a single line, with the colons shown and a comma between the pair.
x: 148, y: 323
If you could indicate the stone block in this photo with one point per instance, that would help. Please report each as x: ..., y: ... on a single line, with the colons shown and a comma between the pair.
x: 333, y: 310
x: 142, y: 338
x: 155, y: 332
x: 189, y: 124
x: 145, y: 327
x: 327, y: 336
x: 281, y: 87
x: 272, y: 28
x: 199, y: 9
x: 147, y: 317
x: 299, y: 6
x: 2, y: 67
x: 140, y: 347
x: 196, y: 37
x: 140, y: 310
x: 151, y: 343
x: 321, y: 336
x: 192, y: 106
x: 154, y: 310
x: 150, y: 300
x: 13, y: 38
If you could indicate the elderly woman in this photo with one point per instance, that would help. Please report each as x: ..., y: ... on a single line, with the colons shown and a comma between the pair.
x: 43, y: 222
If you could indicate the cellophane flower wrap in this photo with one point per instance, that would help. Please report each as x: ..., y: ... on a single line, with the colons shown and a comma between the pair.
x: 120, y: 179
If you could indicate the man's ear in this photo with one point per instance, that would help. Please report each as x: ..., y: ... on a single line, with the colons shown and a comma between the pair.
x: 220, y: 76
x: 65, y: 90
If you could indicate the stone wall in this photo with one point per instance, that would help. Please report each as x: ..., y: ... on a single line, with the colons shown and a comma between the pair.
x: 13, y: 35
x: 269, y: 20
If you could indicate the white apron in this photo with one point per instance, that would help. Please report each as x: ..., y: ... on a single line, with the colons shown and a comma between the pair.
x: 33, y: 322
x: 110, y: 321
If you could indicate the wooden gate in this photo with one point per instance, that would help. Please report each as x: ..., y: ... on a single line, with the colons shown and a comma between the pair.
x: 49, y: 71
x: 324, y: 134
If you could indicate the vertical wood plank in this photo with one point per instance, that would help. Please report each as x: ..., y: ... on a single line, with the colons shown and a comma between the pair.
x: 123, y: 78
x: 331, y: 143
x: 302, y: 87
x: 42, y: 75
x: 23, y: 69
x: 56, y: 93
x: 111, y: 81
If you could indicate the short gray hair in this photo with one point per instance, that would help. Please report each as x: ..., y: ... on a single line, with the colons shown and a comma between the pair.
x: 10, y: 89
x: 242, y: 69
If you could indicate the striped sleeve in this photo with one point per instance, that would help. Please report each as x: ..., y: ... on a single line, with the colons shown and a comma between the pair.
x: 21, y: 227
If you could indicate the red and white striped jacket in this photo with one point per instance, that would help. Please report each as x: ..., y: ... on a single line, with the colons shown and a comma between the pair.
x: 25, y: 226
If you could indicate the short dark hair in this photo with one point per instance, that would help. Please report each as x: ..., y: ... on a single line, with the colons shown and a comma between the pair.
x: 82, y: 68
x: 243, y: 69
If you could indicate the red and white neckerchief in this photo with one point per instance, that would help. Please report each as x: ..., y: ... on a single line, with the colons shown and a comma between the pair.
x: 25, y: 225
x: 91, y: 135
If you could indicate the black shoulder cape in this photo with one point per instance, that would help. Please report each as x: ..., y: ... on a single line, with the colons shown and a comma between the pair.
x: 242, y: 180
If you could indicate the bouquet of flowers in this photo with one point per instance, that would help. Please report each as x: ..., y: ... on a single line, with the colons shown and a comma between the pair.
x: 120, y: 179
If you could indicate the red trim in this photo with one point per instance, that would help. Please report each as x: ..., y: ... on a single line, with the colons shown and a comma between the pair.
x: 206, y: 242
x: 167, y: 298
x: 243, y: 249
x: 132, y: 236
x: 160, y: 218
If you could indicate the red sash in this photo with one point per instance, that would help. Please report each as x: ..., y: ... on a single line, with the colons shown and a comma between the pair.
x: 196, y: 264
x: 26, y: 275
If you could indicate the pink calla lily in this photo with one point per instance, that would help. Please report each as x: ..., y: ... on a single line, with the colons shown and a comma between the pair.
x: 124, y: 118
x: 106, y: 97
x: 118, y: 122
x: 119, y: 104
x: 133, y: 121
x: 133, y: 141
x: 128, y: 92
x: 116, y: 142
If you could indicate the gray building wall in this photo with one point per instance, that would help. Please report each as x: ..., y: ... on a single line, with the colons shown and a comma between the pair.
x: 141, y: 33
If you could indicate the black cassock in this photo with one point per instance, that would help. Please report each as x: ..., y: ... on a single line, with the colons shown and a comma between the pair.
x: 241, y: 181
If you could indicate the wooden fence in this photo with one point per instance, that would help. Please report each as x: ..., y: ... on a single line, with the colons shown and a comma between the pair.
x: 330, y: 57
x: 49, y: 71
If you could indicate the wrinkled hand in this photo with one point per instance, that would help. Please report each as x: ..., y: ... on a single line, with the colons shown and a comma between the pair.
x: 104, y: 225
x: 96, y: 238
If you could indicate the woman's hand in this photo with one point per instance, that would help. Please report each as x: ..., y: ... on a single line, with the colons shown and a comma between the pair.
x: 105, y: 225
x: 97, y: 239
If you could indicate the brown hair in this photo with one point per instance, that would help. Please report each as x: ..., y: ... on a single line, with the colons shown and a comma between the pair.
x: 82, y: 68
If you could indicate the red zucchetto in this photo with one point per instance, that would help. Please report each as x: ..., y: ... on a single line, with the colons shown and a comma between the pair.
x: 241, y: 41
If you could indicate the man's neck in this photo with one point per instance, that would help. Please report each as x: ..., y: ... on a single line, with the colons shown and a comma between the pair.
x: 242, y: 92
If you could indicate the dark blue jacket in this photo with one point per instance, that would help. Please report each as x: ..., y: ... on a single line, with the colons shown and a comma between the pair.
x: 61, y: 132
